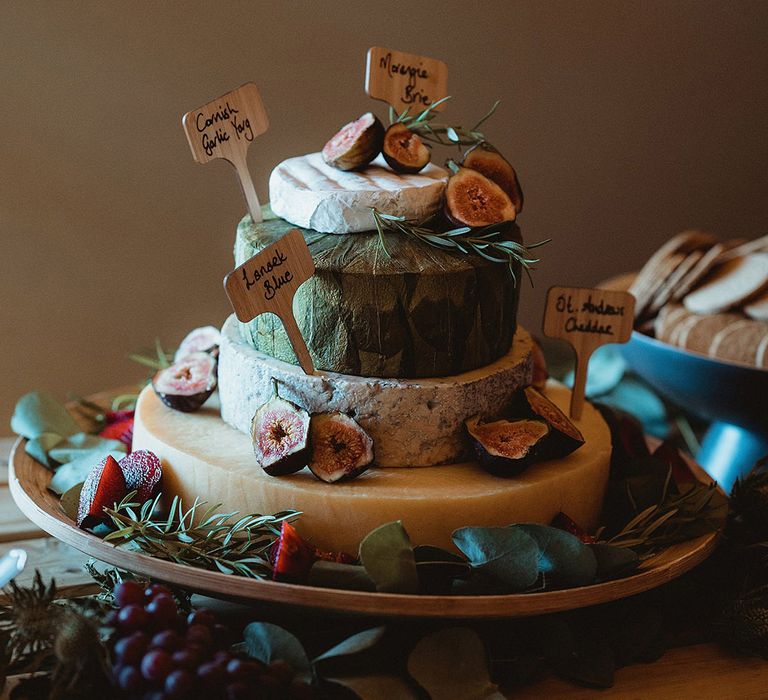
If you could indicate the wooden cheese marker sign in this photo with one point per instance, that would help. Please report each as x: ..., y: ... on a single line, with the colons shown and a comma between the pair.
x: 268, y: 281
x: 586, y: 319
x: 405, y: 79
x: 224, y: 129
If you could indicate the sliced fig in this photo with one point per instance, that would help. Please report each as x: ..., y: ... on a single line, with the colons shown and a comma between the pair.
x: 403, y: 150
x: 485, y: 159
x: 471, y: 199
x: 564, y: 436
x: 356, y: 144
x: 341, y: 449
x: 280, y: 434
x: 203, y: 339
x: 187, y: 384
x: 103, y: 487
x: 506, y: 448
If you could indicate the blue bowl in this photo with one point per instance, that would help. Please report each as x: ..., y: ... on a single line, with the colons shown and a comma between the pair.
x: 733, y: 396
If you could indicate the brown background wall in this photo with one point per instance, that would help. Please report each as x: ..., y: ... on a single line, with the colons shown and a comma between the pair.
x: 627, y: 121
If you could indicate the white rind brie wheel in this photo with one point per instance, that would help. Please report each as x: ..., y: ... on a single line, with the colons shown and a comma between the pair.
x: 308, y: 193
x: 204, y: 457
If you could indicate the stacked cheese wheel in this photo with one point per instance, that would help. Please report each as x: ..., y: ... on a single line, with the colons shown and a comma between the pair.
x: 708, y: 296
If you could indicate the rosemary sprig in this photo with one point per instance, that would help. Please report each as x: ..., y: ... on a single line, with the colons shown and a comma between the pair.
x: 207, y: 540
x: 430, y: 131
x: 678, y: 516
x: 161, y: 358
x: 488, y: 242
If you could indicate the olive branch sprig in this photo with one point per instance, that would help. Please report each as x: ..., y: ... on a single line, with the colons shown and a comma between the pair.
x: 207, y: 540
x: 487, y: 242
x: 431, y: 132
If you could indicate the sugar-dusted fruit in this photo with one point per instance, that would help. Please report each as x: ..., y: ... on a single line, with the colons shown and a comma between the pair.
x: 280, y: 434
x: 341, y: 449
x: 404, y: 151
x: 203, y: 339
x: 486, y: 160
x: 142, y: 471
x: 356, y: 144
x: 103, y: 487
x: 187, y: 384
x: 504, y: 447
x: 471, y: 199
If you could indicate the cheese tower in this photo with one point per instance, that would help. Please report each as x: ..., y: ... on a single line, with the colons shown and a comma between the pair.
x: 409, y: 340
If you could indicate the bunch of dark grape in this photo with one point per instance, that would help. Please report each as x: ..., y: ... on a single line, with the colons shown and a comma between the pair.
x: 161, y: 653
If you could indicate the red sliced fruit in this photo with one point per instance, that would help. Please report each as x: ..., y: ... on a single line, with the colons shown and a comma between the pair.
x: 121, y: 430
x: 142, y: 471
x: 292, y: 556
x: 564, y: 522
x: 338, y: 557
x: 117, y: 416
x: 187, y: 384
x: 670, y: 455
x: 203, y: 339
x: 104, y: 486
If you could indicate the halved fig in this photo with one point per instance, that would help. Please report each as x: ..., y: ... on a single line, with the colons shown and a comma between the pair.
x: 203, y: 339
x: 506, y: 448
x: 485, y: 159
x: 356, y: 144
x: 471, y: 199
x: 403, y: 150
x: 564, y: 436
x: 186, y: 385
x: 280, y: 434
x: 341, y: 449
x: 103, y: 487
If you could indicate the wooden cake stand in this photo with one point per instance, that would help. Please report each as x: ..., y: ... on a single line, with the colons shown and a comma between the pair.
x: 28, y: 481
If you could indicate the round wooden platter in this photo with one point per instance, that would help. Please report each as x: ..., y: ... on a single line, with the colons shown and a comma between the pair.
x: 28, y: 481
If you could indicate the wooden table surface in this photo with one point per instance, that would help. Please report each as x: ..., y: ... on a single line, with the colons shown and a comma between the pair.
x: 703, y: 671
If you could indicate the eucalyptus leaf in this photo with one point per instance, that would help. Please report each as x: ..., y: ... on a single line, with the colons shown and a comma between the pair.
x: 355, y: 644
x: 505, y: 554
x: 614, y: 561
x: 75, y: 472
x: 636, y: 397
x: 70, y: 501
x: 331, y: 574
x: 377, y: 687
x: 82, y: 445
x: 452, y: 663
x: 267, y: 642
x: 39, y: 447
x: 387, y: 556
x: 37, y: 413
x: 438, y: 568
x: 606, y: 370
x: 563, y: 558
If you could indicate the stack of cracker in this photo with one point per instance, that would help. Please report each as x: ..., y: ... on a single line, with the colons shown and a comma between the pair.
x: 708, y: 296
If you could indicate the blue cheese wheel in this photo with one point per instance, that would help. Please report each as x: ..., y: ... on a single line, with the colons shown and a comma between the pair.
x: 418, y: 311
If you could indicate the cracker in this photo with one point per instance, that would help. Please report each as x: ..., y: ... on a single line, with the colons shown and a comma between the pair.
x: 730, y: 284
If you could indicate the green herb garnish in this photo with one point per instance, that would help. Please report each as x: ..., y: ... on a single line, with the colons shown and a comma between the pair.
x: 488, y: 242
x: 208, y: 541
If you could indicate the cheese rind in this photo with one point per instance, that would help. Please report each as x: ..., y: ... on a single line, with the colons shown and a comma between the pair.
x: 308, y: 193
x: 204, y: 457
x: 413, y: 422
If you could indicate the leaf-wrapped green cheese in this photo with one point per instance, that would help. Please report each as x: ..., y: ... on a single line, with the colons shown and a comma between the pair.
x: 423, y: 312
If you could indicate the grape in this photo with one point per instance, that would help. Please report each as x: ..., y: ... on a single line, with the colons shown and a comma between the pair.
x: 156, y: 665
x: 179, y: 684
x: 222, y: 657
x: 128, y: 593
x: 239, y: 691
x: 130, y: 649
x: 211, y: 673
x: 200, y: 636
x: 241, y: 670
x: 162, y: 610
x: 110, y: 619
x: 167, y: 640
x: 132, y: 617
x: 153, y: 695
x: 130, y: 679
x: 282, y: 671
x: 187, y: 658
x: 156, y: 589
x: 201, y: 617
